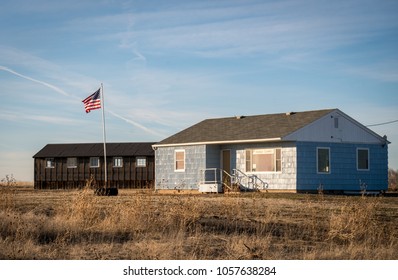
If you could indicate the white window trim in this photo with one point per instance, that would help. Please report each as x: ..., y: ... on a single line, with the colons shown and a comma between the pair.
x: 117, y: 166
x: 264, y: 172
x: 95, y: 166
x: 330, y: 160
x: 52, y: 161
x: 175, y: 161
x: 367, y: 149
x: 140, y: 158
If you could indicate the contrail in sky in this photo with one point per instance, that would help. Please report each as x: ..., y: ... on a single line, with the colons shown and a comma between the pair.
x: 135, y: 124
x: 34, y: 80
x: 57, y: 89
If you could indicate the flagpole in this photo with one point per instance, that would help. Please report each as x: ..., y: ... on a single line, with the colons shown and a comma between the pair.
x: 103, y: 133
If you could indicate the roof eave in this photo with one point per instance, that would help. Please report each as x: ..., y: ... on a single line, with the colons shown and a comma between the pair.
x: 277, y: 139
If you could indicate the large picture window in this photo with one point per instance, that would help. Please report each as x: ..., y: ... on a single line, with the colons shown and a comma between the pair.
x: 323, y: 160
x: 179, y: 156
x: 263, y: 160
x: 363, y: 159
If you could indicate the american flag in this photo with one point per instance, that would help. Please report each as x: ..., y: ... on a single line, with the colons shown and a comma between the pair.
x: 93, y: 102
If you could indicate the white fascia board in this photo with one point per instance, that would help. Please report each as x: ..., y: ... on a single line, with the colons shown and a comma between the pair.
x: 155, y: 146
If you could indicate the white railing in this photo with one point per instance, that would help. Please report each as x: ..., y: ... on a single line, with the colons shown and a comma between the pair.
x: 210, y: 176
x: 238, y: 178
x: 249, y: 182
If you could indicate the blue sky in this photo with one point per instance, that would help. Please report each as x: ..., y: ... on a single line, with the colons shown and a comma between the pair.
x: 166, y: 65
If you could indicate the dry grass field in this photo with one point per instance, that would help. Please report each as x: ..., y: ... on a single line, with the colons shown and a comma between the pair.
x: 40, y: 224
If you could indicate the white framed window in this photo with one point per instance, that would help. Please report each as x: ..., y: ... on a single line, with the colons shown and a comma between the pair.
x: 117, y: 162
x: 264, y: 160
x: 71, y: 162
x: 323, y: 160
x: 50, y: 163
x: 94, y: 162
x: 140, y: 162
x: 363, y: 159
x: 179, y: 160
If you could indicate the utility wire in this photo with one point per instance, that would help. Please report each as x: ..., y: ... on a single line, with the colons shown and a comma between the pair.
x: 377, y: 124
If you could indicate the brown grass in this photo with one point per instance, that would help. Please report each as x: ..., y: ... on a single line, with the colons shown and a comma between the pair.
x: 142, y: 225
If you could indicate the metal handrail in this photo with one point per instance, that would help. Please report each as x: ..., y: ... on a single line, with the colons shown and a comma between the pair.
x: 253, y: 181
x: 259, y: 183
x: 232, y: 180
x: 218, y: 177
x: 238, y: 177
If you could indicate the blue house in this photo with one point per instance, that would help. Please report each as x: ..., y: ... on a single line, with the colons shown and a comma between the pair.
x: 323, y: 150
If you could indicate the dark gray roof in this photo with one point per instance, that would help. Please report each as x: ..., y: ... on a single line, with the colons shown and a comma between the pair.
x: 245, y: 128
x: 96, y: 149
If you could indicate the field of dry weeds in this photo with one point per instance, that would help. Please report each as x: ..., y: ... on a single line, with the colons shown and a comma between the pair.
x: 40, y: 224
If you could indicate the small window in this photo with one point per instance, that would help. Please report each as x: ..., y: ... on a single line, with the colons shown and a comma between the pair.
x: 71, y: 162
x: 362, y: 159
x: 94, y: 162
x: 140, y: 162
x: 179, y: 160
x: 117, y: 162
x: 50, y: 163
x: 323, y: 160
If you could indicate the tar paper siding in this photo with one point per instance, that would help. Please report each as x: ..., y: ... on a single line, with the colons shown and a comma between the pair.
x: 344, y: 175
x: 62, y: 177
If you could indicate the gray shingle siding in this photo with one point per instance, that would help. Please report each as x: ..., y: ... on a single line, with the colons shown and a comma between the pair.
x: 166, y: 175
x: 208, y: 156
x: 286, y: 178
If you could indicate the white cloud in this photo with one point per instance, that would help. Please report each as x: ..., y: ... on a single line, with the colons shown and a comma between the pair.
x: 45, y: 71
x: 166, y: 65
x: 244, y: 28
x: 75, y: 81
x: 385, y: 71
x: 136, y: 124
x: 50, y: 119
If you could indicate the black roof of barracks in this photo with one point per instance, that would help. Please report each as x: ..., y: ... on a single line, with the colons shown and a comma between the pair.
x: 96, y: 149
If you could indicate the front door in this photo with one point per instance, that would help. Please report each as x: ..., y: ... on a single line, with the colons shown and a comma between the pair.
x: 226, y: 166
